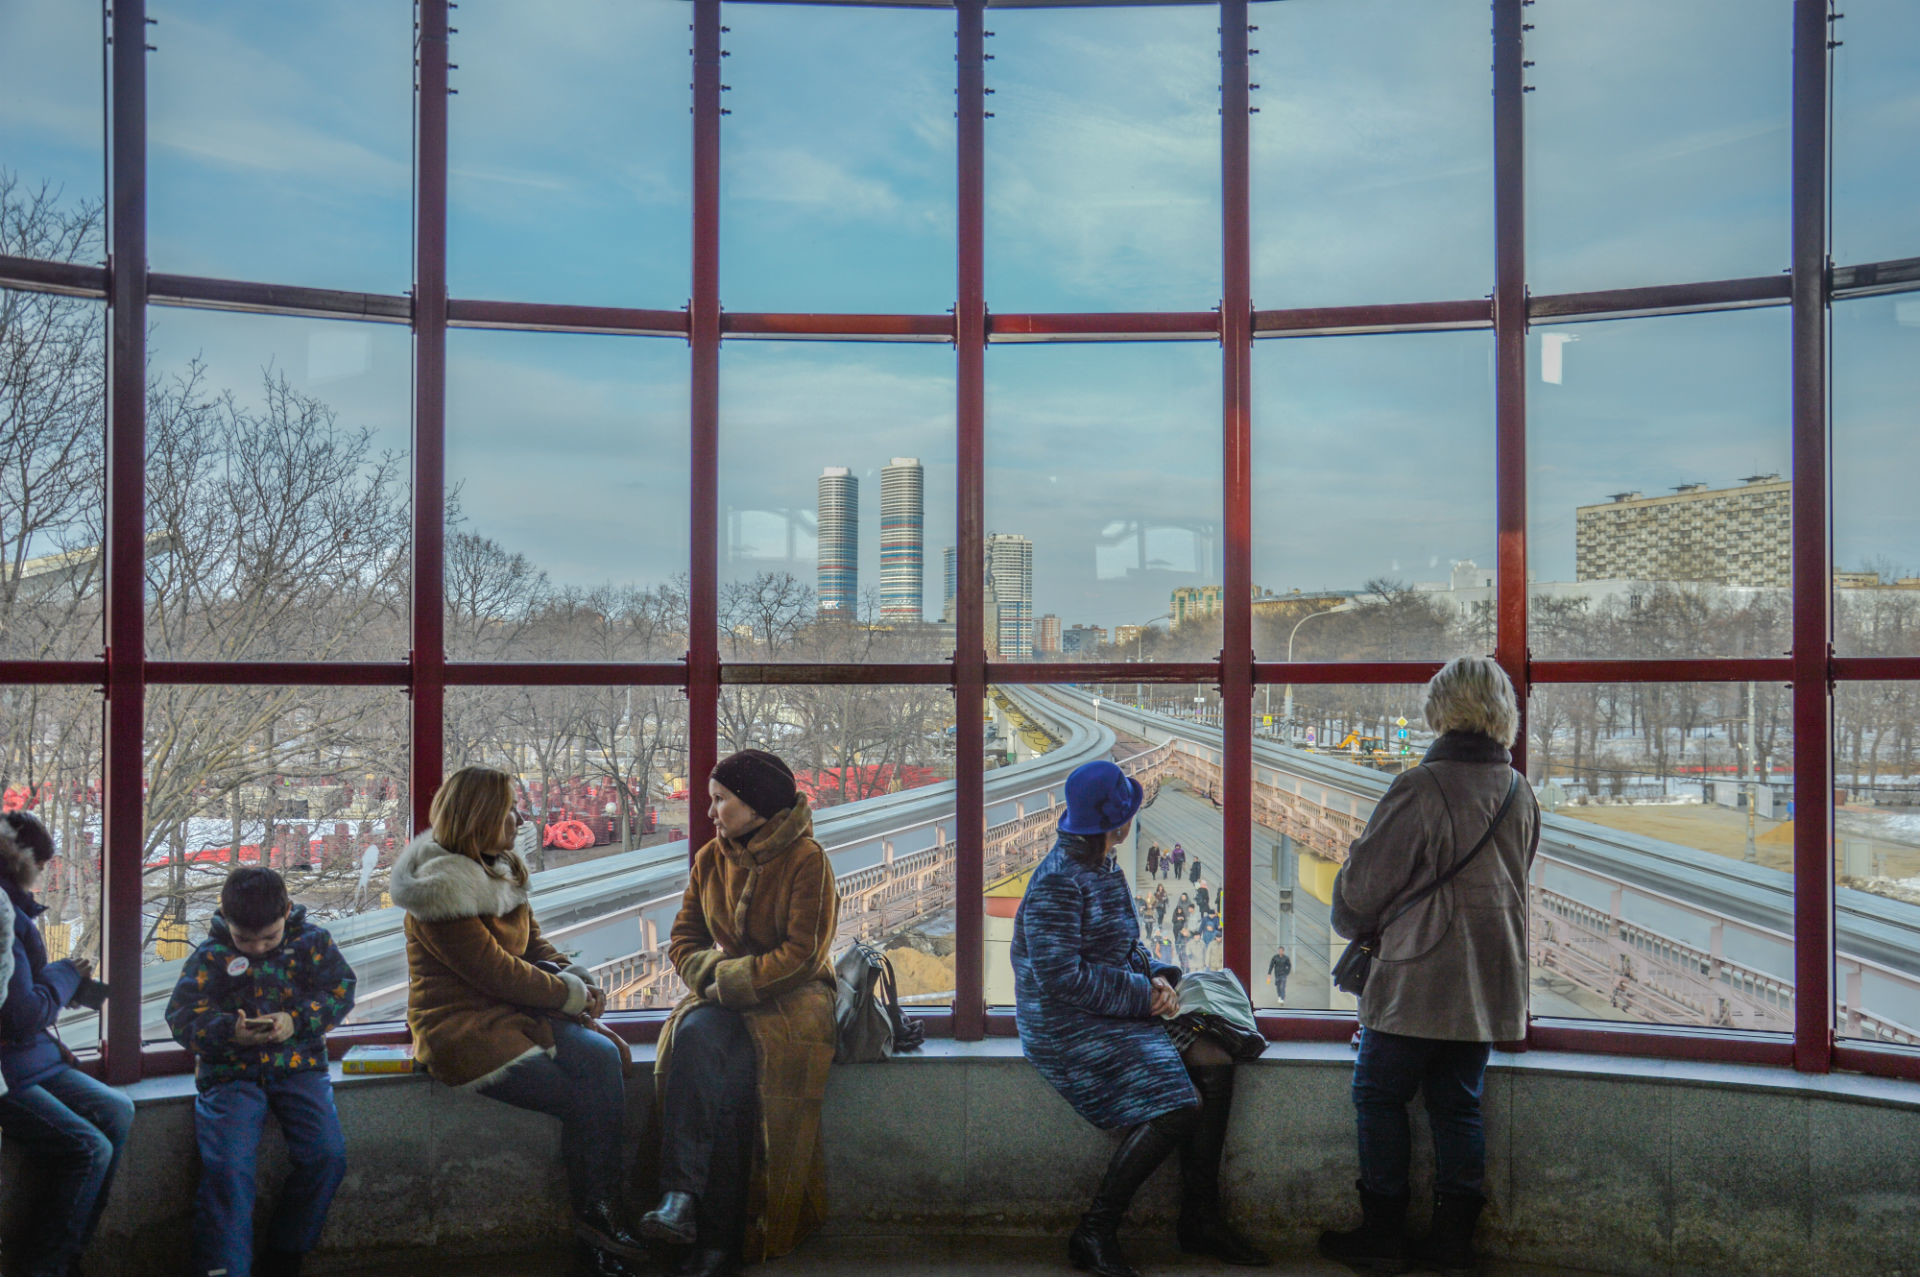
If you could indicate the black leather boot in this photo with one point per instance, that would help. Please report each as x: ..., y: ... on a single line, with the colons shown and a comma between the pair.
x: 1379, y: 1245
x: 1095, y: 1244
x: 590, y: 1261
x: 708, y: 1261
x: 1204, y: 1229
x: 673, y: 1220
x: 597, y: 1226
x: 1448, y: 1246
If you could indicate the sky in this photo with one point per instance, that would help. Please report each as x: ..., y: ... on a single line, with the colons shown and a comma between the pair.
x: 1656, y: 152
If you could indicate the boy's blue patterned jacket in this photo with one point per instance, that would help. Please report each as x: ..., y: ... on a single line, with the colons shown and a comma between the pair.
x: 306, y: 977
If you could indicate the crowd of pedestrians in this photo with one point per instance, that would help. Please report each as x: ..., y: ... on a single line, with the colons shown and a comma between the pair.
x: 1120, y: 1005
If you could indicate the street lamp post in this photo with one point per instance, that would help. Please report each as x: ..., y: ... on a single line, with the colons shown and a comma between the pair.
x: 1286, y: 703
x: 1139, y: 633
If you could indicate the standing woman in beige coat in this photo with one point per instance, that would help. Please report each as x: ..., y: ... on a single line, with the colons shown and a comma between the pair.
x: 495, y: 1008
x: 1449, y: 976
x: 742, y: 1065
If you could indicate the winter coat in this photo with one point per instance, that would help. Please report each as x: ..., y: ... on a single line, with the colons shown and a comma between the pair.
x: 37, y: 990
x: 1455, y: 966
x: 1083, y: 996
x: 476, y: 1004
x: 306, y: 977
x: 6, y: 960
x: 1153, y: 860
x: 755, y: 934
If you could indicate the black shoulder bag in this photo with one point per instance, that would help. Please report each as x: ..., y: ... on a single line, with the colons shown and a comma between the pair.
x: 1351, y: 971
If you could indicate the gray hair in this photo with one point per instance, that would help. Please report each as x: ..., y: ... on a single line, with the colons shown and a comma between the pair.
x: 1473, y: 694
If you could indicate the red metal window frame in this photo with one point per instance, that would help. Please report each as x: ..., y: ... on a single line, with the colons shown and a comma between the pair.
x: 123, y: 671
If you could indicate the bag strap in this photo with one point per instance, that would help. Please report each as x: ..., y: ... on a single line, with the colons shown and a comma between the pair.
x: 1513, y: 787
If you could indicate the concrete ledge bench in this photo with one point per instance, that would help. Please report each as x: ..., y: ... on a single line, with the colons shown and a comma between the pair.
x: 1596, y: 1162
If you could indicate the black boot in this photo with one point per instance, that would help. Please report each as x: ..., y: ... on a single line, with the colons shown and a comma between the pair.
x: 591, y: 1261
x: 1448, y: 1247
x: 597, y: 1226
x: 1204, y: 1229
x: 1379, y: 1245
x: 673, y: 1220
x: 1095, y: 1244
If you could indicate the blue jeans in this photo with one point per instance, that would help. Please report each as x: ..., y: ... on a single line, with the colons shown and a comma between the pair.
x: 582, y: 1084
x: 227, y: 1122
x: 1451, y: 1074
x: 72, y: 1129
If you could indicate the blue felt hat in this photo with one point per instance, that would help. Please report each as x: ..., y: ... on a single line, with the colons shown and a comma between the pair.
x: 1100, y: 797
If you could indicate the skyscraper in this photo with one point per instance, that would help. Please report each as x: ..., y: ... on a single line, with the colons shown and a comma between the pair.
x: 951, y: 555
x: 1010, y: 567
x: 903, y: 532
x: 839, y: 553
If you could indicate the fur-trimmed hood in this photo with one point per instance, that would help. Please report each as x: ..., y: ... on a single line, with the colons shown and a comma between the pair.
x: 437, y: 885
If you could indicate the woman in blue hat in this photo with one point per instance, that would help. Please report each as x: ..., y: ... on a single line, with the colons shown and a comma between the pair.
x: 1090, y: 1002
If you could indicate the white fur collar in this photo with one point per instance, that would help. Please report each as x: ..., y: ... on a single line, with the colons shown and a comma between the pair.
x: 437, y: 885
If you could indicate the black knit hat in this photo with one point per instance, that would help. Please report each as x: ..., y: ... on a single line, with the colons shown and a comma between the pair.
x: 759, y: 779
x: 30, y: 835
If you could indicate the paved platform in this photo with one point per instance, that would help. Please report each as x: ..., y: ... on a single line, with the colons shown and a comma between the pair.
x: 932, y: 1256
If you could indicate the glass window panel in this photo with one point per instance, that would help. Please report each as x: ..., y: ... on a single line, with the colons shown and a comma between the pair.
x: 876, y: 763
x: 570, y: 148
x: 1663, y: 887
x: 1659, y: 503
x: 1168, y: 738
x: 52, y: 114
x: 278, y: 483
x: 603, y: 772
x: 837, y: 175
x: 1657, y: 142
x: 309, y: 781
x: 1104, y: 500
x: 1374, y: 502
x: 1372, y: 153
x: 1323, y: 755
x: 52, y: 504
x: 837, y: 490
x: 1876, y: 539
x: 54, y: 748
x: 1876, y: 132
x: 1876, y: 832
x: 568, y: 463
x: 280, y: 143
x: 1103, y: 161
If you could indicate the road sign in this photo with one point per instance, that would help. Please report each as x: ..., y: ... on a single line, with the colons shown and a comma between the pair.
x: 1403, y: 733
x: 1309, y: 736
x: 1266, y: 720
x: 1400, y: 722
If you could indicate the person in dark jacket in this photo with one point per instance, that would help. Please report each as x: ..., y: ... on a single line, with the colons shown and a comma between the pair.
x: 71, y: 1127
x: 254, y: 1003
x: 1449, y: 977
x: 1090, y: 1004
x: 1153, y: 860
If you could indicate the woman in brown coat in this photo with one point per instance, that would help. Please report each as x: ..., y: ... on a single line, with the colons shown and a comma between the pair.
x: 743, y: 1062
x: 495, y: 1008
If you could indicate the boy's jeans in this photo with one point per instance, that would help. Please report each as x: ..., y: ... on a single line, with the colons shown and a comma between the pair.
x: 1390, y: 1069
x: 72, y: 1129
x: 227, y: 1121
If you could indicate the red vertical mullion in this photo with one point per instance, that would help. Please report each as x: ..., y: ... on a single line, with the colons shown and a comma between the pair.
x: 1236, y: 345
x: 970, y: 588
x: 703, y: 592
x: 1510, y: 355
x: 427, y: 711
x: 123, y: 816
x: 1812, y: 598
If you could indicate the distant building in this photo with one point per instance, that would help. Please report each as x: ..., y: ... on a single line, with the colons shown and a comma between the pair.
x: 1723, y: 536
x: 1198, y: 602
x: 953, y: 578
x: 839, y: 552
x: 1046, y: 636
x: 903, y: 547
x: 1128, y: 635
x: 1010, y: 568
x: 1082, y: 640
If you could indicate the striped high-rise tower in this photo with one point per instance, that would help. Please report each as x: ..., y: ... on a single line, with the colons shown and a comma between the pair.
x: 839, y: 553
x: 903, y: 539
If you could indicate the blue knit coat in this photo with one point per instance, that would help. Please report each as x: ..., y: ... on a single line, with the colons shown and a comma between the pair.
x: 1083, y: 991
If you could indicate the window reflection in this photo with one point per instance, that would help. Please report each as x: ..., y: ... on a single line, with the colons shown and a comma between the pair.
x: 1876, y: 133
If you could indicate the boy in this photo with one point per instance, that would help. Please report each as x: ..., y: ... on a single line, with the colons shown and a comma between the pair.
x: 254, y: 1004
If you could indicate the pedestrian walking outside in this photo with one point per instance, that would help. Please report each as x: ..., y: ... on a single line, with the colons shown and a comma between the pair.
x: 1278, y: 969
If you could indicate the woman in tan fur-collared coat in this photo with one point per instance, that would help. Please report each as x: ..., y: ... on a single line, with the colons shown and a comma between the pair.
x: 742, y: 1065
